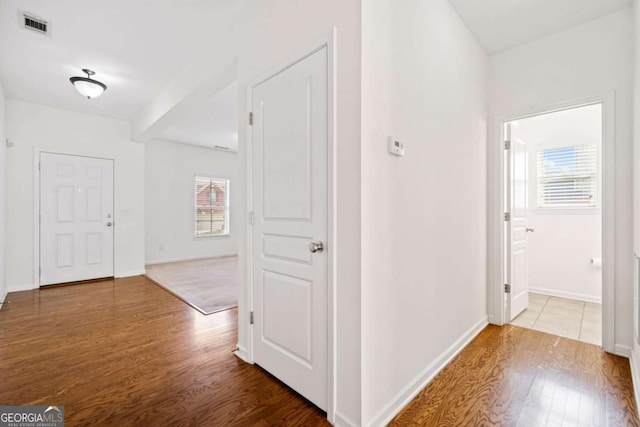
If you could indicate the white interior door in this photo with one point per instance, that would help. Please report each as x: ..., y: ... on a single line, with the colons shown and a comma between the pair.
x: 76, y: 218
x: 517, y: 252
x: 289, y: 184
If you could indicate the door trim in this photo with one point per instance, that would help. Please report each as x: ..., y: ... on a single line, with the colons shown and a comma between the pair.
x: 328, y: 41
x: 496, y: 208
x: 36, y: 208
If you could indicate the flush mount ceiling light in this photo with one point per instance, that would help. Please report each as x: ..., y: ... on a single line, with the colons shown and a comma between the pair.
x: 87, y: 86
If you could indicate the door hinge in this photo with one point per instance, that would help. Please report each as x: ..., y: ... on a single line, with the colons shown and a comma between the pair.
x: 251, y: 218
x: 507, y: 288
x: 507, y: 216
x: 251, y: 318
x: 507, y: 145
x: 251, y: 119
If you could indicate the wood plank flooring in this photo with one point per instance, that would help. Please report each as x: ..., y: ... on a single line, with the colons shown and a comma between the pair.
x: 126, y: 353
x: 511, y: 376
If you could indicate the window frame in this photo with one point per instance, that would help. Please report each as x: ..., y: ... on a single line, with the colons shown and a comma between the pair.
x: 227, y: 206
x: 567, y: 209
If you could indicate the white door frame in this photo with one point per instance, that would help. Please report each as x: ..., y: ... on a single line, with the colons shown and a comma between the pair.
x: 497, y: 208
x: 328, y: 41
x: 36, y: 207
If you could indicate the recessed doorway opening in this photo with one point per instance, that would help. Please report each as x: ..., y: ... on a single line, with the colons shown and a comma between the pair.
x: 553, y: 247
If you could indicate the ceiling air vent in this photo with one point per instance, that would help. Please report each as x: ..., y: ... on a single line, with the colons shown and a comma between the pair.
x: 35, y: 23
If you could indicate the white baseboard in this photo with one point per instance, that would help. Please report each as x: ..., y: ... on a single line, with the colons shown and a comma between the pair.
x: 569, y: 295
x: 132, y: 273
x: 195, y: 258
x: 622, y: 350
x: 342, y: 421
x: 20, y: 288
x: 241, y: 352
x: 400, y: 400
x: 2, y: 297
x: 635, y: 379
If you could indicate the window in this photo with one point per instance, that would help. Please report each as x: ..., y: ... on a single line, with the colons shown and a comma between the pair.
x: 212, y: 206
x: 567, y: 177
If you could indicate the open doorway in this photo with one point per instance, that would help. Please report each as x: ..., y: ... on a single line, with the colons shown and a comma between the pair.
x: 192, y: 199
x: 553, y: 226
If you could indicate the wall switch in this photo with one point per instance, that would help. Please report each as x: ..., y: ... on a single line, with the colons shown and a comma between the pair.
x: 395, y: 147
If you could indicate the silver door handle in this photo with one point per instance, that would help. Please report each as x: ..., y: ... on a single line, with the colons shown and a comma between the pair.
x: 109, y: 224
x: 530, y: 230
x: 316, y: 247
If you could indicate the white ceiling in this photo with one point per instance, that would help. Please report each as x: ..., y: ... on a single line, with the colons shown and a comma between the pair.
x: 213, y: 125
x: 502, y: 24
x: 135, y: 47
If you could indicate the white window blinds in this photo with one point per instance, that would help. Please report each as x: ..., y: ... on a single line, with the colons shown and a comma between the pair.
x: 567, y: 177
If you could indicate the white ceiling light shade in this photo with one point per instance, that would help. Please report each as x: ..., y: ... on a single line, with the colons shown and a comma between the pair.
x: 87, y: 86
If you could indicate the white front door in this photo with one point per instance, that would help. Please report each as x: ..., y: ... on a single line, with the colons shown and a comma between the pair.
x: 289, y: 184
x: 76, y: 218
x: 517, y: 253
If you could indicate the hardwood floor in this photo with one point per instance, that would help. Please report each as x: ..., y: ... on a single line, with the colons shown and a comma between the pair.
x: 126, y: 353
x: 511, y: 376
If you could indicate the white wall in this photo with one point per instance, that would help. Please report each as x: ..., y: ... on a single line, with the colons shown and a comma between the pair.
x: 564, y: 241
x: 169, y: 201
x: 423, y: 215
x: 31, y: 127
x: 3, y: 128
x: 636, y: 126
x: 265, y: 33
x: 635, y: 354
x: 591, y: 59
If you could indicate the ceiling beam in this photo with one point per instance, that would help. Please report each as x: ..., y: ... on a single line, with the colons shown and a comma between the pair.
x: 186, y: 91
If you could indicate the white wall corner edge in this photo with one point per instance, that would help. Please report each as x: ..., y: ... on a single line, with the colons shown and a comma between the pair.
x: 411, y: 390
x: 491, y: 319
x: 622, y: 350
x: 635, y: 379
x: 132, y: 273
x: 20, y: 288
x: 242, y: 353
x: 342, y: 421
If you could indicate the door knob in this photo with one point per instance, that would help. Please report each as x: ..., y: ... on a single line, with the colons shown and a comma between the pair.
x: 530, y: 230
x: 109, y: 224
x: 316, y: 247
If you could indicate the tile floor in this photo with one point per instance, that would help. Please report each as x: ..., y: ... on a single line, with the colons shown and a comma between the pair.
x: 568, y: 318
